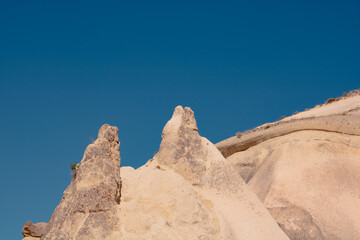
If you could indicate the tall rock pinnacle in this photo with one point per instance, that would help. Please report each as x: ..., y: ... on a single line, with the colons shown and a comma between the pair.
x: 87, y: 209
x: 180, y: 148
x: 194, y: 157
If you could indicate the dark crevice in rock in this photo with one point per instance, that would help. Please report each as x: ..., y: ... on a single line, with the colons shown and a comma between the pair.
x: 118, y: 191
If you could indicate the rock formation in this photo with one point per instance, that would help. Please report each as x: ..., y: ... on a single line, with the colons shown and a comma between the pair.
x: 339, y: 117
x: 88, y: 207
x: 189, y: 191
x: 33, y: 230
x: 306, y: 169
x: 297, y: 178
x: 195, y: 158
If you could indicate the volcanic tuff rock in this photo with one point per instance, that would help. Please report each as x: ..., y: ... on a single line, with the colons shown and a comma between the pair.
x: 159, y: 204
x: 213, y: 181
x: 88, y: 207
x: 339, y: 117
x: 195, y: 158
x: 187, y: 191
x: 306, y: 169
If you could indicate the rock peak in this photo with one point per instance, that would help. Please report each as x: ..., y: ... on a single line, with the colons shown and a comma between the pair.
x: 88, y: 207
x: 194, y: 157
x: 179, y: 110
x: 182, y: 118
x: 108, y: 132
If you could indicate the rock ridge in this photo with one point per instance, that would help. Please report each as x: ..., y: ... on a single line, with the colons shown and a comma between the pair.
x: 338, y: 122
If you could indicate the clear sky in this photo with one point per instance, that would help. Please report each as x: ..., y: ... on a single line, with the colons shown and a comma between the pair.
x: 67, y: 67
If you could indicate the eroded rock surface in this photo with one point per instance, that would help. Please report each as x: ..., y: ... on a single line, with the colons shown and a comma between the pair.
x: 297, y: 223
x: 308, y: 178
x: 33, y: 229
x: 339, y: 117
x: 184, y: 152
x: 88, y: 207
x: 159, y: 204
x: 187, y: 191
x: 318, y: 172
x: 195, y: 158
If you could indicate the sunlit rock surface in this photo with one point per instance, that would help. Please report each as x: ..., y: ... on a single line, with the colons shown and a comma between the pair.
x: 88, y: 207
x: 308, y: 176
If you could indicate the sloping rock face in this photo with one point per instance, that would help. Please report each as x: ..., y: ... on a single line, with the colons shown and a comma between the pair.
x: 308, y: 176
x: 339, y: 117
x: 189, y: 191
x: 159, y: 204
x: 88, y: 207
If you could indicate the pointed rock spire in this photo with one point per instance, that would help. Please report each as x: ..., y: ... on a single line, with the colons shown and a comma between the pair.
x: 181, y: 148
x: 87, y: 208
x: 195, y: 158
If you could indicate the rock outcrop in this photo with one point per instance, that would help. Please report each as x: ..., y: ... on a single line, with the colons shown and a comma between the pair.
x: 88, y: 207
x: 339, y: 117
x: 222, y: 205
x: 160, y: 204
x: 306, y: 169
x: 187, y: 191
x: 293, y: 179
x: 33, y: 229
x: 195, y: 158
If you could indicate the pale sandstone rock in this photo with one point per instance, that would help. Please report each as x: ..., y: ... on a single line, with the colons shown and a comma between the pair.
x: 188, y: 191
x: 338, y: 117
x: 318, y: 173
x: 308, y: 179
x: 88, y: 207
x: 159, y: 204
x: 195, y: 158
x: 343, y: 106
x: 185, y: 152
x: 334, y: 123
x: 297, y: 223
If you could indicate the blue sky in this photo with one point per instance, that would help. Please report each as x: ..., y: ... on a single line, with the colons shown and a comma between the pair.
x: 67, y: 67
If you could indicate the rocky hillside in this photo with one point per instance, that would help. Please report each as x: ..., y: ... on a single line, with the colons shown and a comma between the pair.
x: 293, y: 179
x: 306, y: 169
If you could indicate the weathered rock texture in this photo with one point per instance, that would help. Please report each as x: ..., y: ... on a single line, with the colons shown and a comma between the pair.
x: 302, y: 171
x: 306, y: 170
x: 33, y: 230
x: 338, y: 117
x: 195, y: 158
x: 189, y: 191
x: 88, y: 207
x: 160, y: 204
x: 30, y: 238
